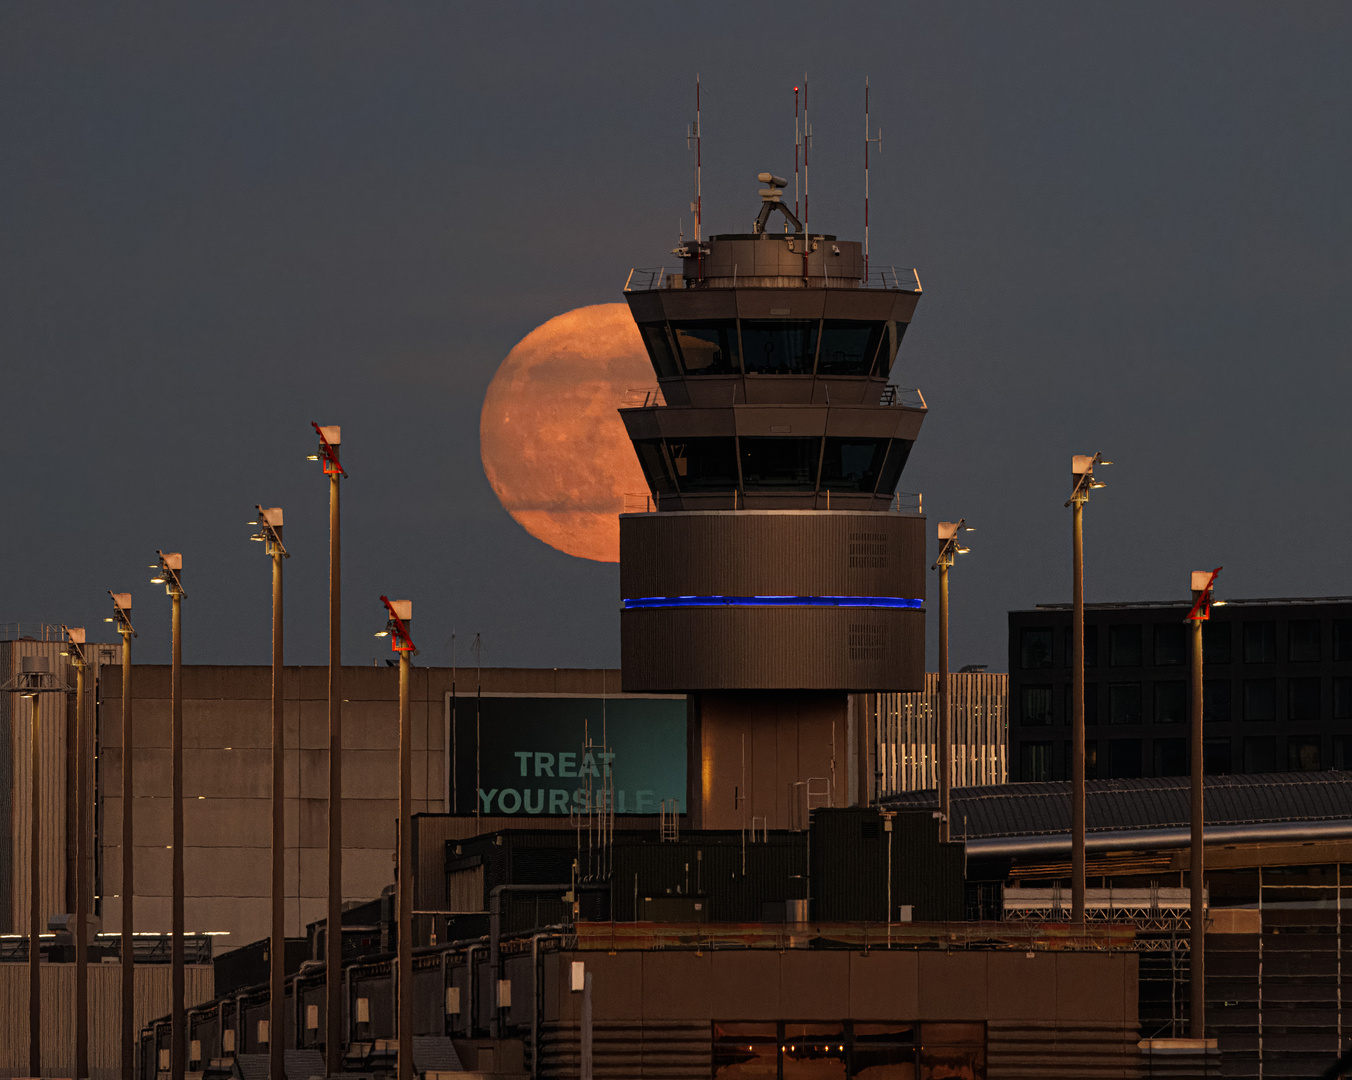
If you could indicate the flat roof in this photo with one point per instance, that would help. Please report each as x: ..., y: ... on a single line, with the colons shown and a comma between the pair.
x: 1131, y: 605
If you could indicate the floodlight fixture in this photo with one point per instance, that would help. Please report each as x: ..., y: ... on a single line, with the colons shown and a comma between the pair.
x: 75, y: 644
x: 950, y: 546
x: 397, y: 626
x: 330, y: 437
x: 169, y: 568
x: 270, y: 530
x: 1203, y: 587
x: 1082, y: 475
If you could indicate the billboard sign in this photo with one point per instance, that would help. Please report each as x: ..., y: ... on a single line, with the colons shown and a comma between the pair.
x: 529, y: 755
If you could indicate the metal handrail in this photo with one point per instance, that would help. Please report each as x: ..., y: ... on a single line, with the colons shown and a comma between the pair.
x: 639, y: 503
x: 906, y: 397
x: 645, y: 278
x: 643, y: 397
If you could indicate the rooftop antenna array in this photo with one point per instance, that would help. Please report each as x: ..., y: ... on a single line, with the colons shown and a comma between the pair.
x: 868, y: 138
x: 597, y: 806
x: 693, y: 134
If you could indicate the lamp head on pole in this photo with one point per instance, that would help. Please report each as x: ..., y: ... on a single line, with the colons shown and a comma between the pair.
x: 397, y: 625
x: 75, y: 645
x: 1082, y: 477
x: 1203, y: 589
x: 330, y: 438
x: 270, y: 530
x: 950, y: 546
x: 121, y: 612
x: 168, y: 571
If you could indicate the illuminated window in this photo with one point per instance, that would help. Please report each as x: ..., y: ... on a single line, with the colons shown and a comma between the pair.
x: 813, y: 1052
x: 746, y: 1051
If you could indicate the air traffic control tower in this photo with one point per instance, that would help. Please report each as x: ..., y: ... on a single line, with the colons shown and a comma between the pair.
x: 777, y: 570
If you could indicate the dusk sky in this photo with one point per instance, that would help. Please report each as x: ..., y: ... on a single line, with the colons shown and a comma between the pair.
x: 220, y: 222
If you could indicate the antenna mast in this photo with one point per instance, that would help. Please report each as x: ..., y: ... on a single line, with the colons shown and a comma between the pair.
x: 868, y: 138
x: 697, y: 206
x: 795, y: 151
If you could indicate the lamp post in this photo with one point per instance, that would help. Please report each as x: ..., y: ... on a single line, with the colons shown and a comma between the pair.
x: 1203, y: 584
x: 75, y: 650
x: 330, y: 438
x: 949, y: 549
x: 122, y: 617
x: 168, y: 571
x: 397, y: 627
x: 270, y: 534
x: 1082, y: 475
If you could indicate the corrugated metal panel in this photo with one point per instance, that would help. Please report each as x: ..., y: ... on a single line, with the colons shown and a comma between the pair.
x: 105, y: 1013
x: 907, y: 733
x: 751, y: 648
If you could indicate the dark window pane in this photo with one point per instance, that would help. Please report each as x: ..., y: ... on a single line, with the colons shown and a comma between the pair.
x: 1124, y: 703
x: 1035, y: 761
x: 1303, y: 699
x: 658, y: 342
x: 1260, y: 642
x: 1171, y: 705
x: 1124, y: 759
x: 1302, y: 640
x: 1216, y: 700
x: 746, y: 1052
x: 655, y: 467
x: 1035, y: 647
x: 1171, y: 647
x: 1216, y: 757
x: 779, y: 462
x: 781, y: 347
x: 1302, y: 753
x: 704, y: 464
x: 1215, y: 642
x: 1342, y: 698
x: 888, y: 353
x: 852, y: 464
x: 1260, y: 699
x: 848, y: 347
x: 1342, y: 639
x: 1342, y: 751
x: 1090, y: 646
x: 707, y: 348
x: 1124, y: 646
x: 1090, y: 760
x: 1171, y: 757
x: 883, y: 1052
x: 1260, y: 754
x: 897, y: 453
x: 1090, y: 704
x: 1037, y: 706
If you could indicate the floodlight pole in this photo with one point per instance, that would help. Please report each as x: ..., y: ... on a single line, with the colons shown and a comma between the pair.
x: 75, y: 637
x: 170, y: 567
x: 330, y: 437
x: 1203, y: 583
x: 400, y: 617
x: 122, y: 617
x: 1082, y: 473
x: 949, y: 549
x: 270, y: 533
x: 34, y: 895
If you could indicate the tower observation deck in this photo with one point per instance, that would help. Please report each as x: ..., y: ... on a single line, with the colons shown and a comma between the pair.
x: 777, y: 557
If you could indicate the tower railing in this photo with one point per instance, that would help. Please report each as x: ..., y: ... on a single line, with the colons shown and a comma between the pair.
x: 890, y: 278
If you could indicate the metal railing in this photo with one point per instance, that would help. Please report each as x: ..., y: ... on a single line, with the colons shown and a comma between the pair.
x: 640, y: 503
x: 904, y: 396
x: 898, y: 278
x: 907, y: 502
x: 894, y: 278
x: 645, y: 278
x: 643, y: 397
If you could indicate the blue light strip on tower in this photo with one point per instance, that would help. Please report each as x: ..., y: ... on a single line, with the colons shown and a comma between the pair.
x: 774, y: 601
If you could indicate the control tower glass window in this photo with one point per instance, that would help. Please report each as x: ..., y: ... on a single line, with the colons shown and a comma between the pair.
x: 704, y: 464
x: 897, y: 454
x: 780, y: 347
x: 852, y: 464
x: 658, y: 340
x: 708, y: 348
x: 655, y: 467
x: 779, y: 462
x: 848, y: 346
x: 888, y: 352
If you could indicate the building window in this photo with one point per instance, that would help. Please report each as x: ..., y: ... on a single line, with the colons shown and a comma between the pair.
x: 955, y: 1050
x: 1124, y: 703
x: 654, y: 464
x: 1216, y: 757
x: 1035, y: 761
x: 746, y: 1051
x: 1302, y: 699
x: 658, y: 341
x: 704, y: 464
x: 708, y: 348
x: 1342, y: 751
x: 1216, y: 701
x: 1090, y: 759
x: 882, y: 1051
x: 1302, y: 640
x: 1124, y: 646
x: 1035, y: 647
x: 1302, y: 753
x: 813, y: 1052
x: 1260, y: 754
x: 1090, y: 705
x: 1342, y: 639
x: 1171, y: 704
x: 848, y: 346
x: 1037, y: 706
x: 1215, y: 642
x: 1090, y: 647
x: 852, y: 465
x: 1171, y: 757
x: 780, y: 347
x: 1124, y: 759
x: 779, y: 462
x: 897, y: 453
x: 1171, y: 647
x: 1260, y: 699
x: 1260, y: 642
x: 1342, y: 698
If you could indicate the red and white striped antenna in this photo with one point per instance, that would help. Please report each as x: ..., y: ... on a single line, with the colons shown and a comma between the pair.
x: 693, y: 135
x: 868, y: 138
x: 796, y: 139
x: 807, y: 141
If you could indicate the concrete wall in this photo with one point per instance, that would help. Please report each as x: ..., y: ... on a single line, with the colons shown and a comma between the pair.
x: 227, y: 784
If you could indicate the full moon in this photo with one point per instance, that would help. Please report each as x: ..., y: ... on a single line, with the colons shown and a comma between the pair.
x: 553, y: 445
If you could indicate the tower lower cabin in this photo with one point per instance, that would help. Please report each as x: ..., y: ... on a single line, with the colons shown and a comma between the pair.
x: 777, y: 570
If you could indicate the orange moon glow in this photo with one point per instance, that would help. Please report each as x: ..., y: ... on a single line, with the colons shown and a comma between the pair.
x: 553, y: 445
